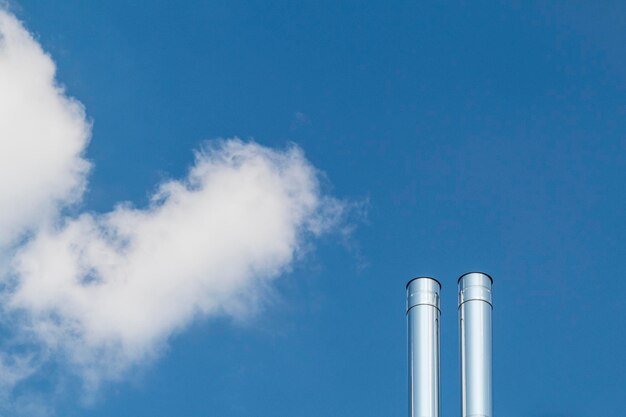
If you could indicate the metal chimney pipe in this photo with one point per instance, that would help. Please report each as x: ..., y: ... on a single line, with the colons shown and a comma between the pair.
x: 475, y: 308
x: 422, y: 310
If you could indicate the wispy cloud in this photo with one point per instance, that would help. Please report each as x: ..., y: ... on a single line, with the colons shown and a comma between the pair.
x: 300, y: 120
x: 102, y: 293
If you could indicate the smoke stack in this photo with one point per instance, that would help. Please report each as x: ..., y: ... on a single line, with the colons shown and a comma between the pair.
x: 423, y: 328
x: 475, y: 324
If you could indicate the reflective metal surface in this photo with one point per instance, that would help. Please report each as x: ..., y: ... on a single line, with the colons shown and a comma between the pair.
x: 475, y: 308
x: 423, y: 328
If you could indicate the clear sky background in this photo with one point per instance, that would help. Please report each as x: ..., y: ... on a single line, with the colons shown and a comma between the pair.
x: 481, y: 135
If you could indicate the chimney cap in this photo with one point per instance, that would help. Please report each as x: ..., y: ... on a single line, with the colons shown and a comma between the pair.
x: 431, y: 278
x: 475, y: 272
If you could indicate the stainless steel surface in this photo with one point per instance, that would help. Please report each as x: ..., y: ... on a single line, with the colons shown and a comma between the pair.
x: 423, y: 327
x: 475, y: 306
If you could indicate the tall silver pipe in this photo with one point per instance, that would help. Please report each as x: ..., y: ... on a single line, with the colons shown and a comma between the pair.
x: 475, y: 306
x: 423, y: 327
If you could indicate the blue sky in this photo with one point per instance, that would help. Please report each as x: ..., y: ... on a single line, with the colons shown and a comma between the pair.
x: 479, y: 136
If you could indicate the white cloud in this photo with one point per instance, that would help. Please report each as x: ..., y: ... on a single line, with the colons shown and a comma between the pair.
x: 109, y: 289
x: 43, y: 134
x: 104, y: 292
